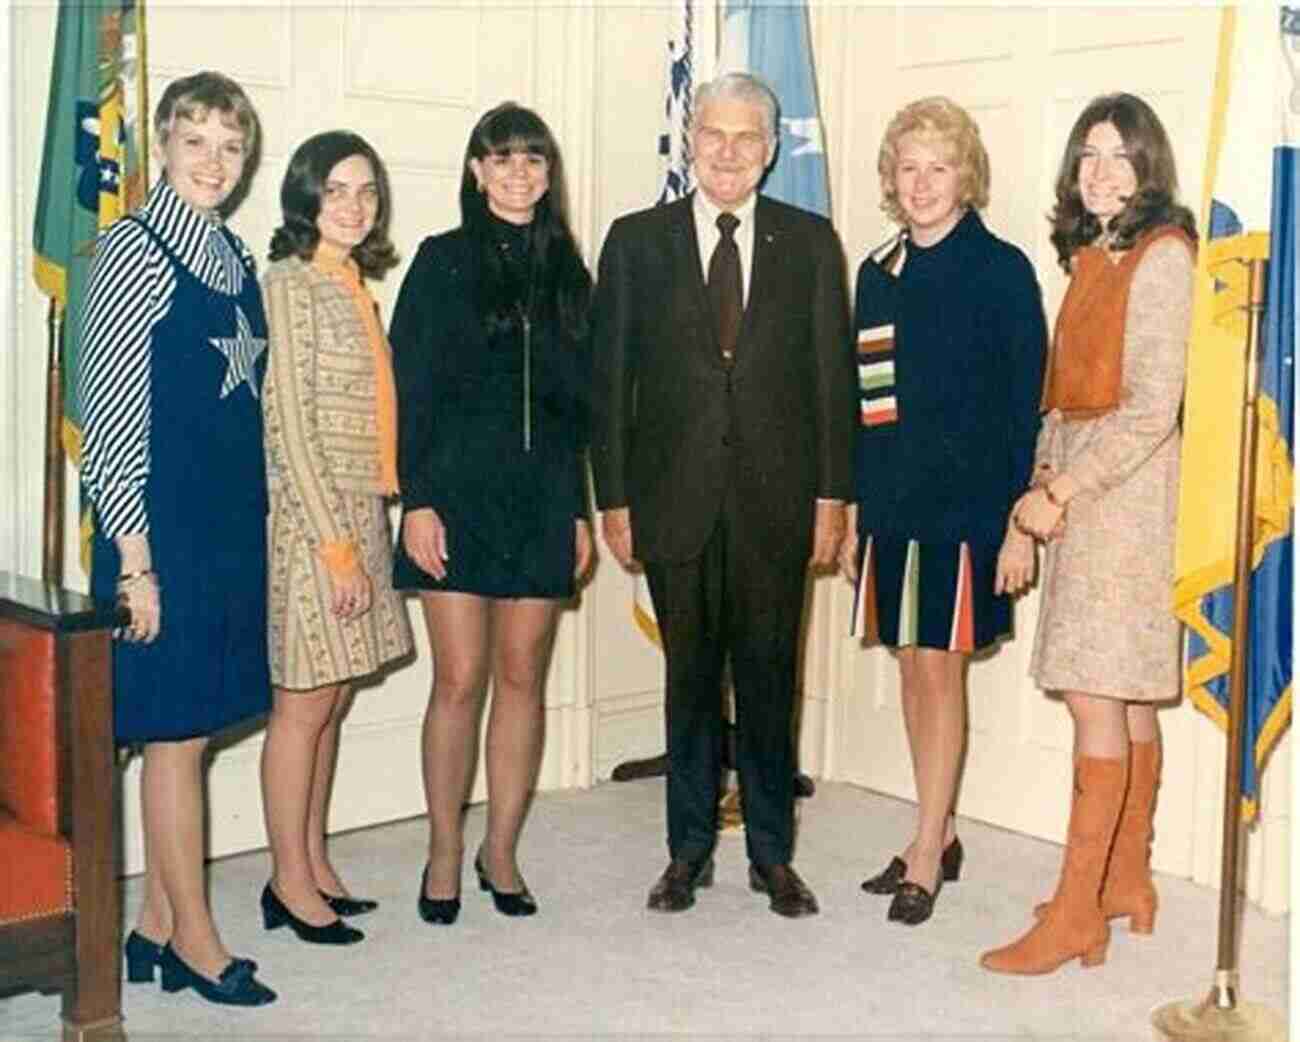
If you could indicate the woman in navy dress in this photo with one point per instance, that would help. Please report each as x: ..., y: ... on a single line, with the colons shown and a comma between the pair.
x: 951, y: 342
x: 490, y: 353
x: 174, y: 345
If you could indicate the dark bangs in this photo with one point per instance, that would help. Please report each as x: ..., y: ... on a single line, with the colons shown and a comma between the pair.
x: 512, y: 128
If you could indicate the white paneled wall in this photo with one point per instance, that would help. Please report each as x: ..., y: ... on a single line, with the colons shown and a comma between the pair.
x: 413, y: 77
x: 10, y: 300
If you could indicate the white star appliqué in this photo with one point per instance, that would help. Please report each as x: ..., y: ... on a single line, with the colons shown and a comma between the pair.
x: 242, y: 352
x: 808, y: 131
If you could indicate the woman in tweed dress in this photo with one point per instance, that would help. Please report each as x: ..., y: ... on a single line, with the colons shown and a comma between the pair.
x: 1104, y: 497
x: 330, y: 419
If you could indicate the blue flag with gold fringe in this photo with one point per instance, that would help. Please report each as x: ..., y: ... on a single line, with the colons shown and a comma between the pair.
x: 770, y: 39
x: 1248, y: 216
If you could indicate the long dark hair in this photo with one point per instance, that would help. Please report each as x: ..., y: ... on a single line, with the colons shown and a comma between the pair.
x: 1154, y: 203
x: 304, y: 187
x: 558, y: 283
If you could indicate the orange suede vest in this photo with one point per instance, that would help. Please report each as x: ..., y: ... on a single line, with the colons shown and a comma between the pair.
x: 1085, y: 366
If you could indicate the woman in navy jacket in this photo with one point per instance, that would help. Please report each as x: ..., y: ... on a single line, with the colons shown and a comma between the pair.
x: 951, y: 342
x: 491, y: 360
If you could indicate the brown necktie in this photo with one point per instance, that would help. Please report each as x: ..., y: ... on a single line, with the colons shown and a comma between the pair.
x: 725, y: 291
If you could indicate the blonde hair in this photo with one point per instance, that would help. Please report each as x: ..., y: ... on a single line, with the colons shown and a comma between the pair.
x: 193, y: 97
x: 942, y: 119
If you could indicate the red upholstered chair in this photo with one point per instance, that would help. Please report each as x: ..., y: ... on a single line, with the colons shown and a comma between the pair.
x: 60, y: 917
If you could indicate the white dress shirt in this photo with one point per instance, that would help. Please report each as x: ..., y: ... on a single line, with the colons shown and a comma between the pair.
x: 706, y: 231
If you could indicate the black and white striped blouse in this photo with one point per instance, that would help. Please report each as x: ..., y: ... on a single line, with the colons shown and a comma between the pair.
x: 130, y: 291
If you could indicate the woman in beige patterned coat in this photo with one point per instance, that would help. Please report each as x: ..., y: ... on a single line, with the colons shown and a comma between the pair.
x: 1103, y: 498
x: 330, y: 414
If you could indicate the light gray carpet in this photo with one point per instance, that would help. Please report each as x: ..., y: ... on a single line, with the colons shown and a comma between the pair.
x: 595, y: 964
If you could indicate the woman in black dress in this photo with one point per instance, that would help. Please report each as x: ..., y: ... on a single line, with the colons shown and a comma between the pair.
x: 490, y: 354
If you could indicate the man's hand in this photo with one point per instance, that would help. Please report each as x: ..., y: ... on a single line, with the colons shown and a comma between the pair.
x: 616, y: 526
x: 828, y: 533
x: 425, y: 538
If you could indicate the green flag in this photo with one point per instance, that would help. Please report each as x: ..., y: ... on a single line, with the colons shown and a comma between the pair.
x: 92, y: 167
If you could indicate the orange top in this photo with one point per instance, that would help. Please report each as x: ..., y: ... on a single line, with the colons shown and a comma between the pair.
x: 1086, y: 362
x: 349, y: 275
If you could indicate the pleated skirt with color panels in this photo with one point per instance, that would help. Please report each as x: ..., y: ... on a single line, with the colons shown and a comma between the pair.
x: 928, y: 594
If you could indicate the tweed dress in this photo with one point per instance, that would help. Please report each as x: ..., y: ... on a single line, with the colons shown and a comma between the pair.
x: 321, y: 452
x: 1106, y: 624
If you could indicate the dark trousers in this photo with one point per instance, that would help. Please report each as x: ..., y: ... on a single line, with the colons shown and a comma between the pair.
x: 746, y: 601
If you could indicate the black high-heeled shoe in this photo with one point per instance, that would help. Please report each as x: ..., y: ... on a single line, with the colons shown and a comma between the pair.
x: 913, y: 904
x: 235, y: 987
x: 275, y: 913
x: 143, y: 955
x: 343, y: 905
x: 888, y: 881
x: 515, y: 902
x: 439, y: 910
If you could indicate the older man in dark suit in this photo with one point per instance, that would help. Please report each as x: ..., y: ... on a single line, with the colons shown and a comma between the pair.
x: 722, y: 433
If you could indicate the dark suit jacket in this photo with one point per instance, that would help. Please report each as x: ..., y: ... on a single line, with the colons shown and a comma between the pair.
x: 673, y: 429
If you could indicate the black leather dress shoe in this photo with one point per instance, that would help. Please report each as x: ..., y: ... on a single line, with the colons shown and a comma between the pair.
x: 144, y: 955
x: 349, y: 905
x: 513, y: 903
x: 235, y: 987
x: 675, y: 890
x: 275, y: 913
x: 913, y: 904
x: 441, y: 911
x: 888, y: 881
x: 789, y: 894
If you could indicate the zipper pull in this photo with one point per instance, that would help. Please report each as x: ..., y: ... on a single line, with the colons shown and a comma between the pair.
x: 528, y: 382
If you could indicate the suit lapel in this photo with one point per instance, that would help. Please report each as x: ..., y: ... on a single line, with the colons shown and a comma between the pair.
x: 687, y: 268
x: 764, y: 278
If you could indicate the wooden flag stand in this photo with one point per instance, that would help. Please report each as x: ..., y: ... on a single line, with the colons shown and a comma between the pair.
x: 1221, y: 1016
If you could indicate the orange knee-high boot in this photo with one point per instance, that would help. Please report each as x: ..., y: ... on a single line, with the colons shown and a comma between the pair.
x: 1072, y: 925
x: 1128, y: 889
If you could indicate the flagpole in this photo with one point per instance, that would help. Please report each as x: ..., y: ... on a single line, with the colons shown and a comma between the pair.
x: 1221, y: 1016
x: 52, y: 529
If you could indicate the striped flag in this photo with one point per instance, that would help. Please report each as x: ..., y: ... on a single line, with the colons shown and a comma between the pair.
x: 1252, y: 129
x: 679, y: 87
x: 769, y: 38
x: 93, y: 167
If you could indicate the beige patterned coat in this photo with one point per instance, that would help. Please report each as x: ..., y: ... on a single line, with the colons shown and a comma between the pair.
x: 1106, y: 624
x: 323, y: 475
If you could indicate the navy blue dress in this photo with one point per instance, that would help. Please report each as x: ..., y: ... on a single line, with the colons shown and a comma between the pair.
x: 507, y: 479
x: 951, y: 344
x: 206, y: 502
